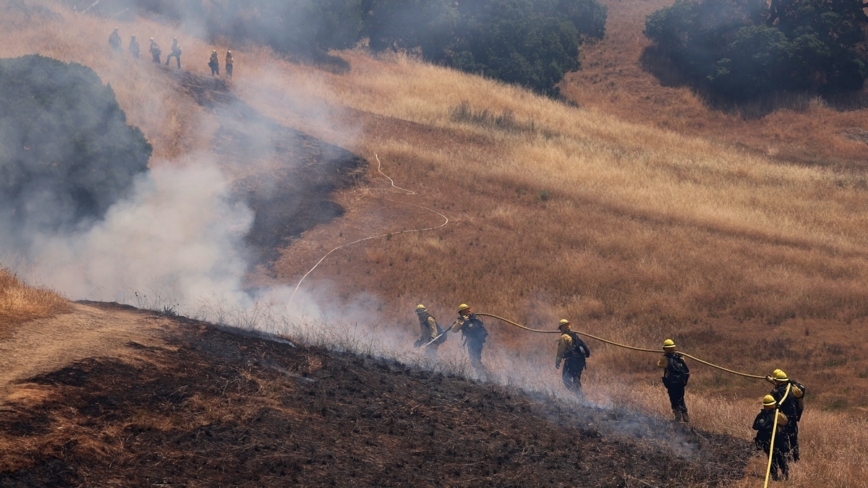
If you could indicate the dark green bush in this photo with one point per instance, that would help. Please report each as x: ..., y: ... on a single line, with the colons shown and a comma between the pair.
x: 66, y: 152
x: 745, y: 49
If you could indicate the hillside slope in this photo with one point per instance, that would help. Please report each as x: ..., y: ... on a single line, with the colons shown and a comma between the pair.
x: 128, y: 397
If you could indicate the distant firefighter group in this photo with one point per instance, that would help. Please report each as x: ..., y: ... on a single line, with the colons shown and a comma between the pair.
x: 213, y: 62
x: 785, y: 401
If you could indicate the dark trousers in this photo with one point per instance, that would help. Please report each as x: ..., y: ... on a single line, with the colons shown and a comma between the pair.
x: 780, y: 468
x: 572, y: 375
x: 474, y: 350
x: 229, y: 70
x: 173, y: 55
x: 792, y: 432
x: 215, y: 69
x: 676, y: 400
x: 156, y: 57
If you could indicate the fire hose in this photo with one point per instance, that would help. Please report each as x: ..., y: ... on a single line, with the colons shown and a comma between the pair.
x: 774, y: 431
x: 656, y: 351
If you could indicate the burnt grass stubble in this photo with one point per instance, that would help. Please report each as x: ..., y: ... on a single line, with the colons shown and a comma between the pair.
x: 294, y: 174
x: 222, y: 408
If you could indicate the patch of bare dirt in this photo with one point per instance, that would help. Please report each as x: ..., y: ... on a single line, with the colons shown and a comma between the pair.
x: 205, y: 407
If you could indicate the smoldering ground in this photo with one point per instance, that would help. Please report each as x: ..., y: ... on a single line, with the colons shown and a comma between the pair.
x: 176, y: 242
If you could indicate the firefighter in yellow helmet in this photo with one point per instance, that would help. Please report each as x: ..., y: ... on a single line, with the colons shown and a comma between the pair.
x: 432, y: 334
x: 573, y: 351
x: 791, y: 406
x: 763, y: 424
x: 675, y: 377
x: 474, y: 333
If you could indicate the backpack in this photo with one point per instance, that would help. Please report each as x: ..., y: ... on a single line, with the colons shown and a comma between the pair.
x: 799, y: 401
x: 580, y: 349
x: 678, y: 371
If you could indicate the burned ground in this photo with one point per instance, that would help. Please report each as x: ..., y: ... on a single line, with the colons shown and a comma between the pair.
x: 287, y: 177
x: 214, y: 408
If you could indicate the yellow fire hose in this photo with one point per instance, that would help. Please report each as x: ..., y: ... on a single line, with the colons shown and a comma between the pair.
x: 774, y: 431
x: 656, y: 351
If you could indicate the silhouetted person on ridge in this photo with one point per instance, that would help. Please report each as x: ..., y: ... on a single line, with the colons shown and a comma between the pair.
x: 214, y: 64
x: 115, y: 41
x: 176, y: 52
x: 228, y: 64
x: 134, y: 47
x: 155, y: 51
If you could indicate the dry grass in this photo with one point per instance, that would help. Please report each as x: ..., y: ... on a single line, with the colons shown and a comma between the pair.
x: 20, y: 303
x: 641, y: 215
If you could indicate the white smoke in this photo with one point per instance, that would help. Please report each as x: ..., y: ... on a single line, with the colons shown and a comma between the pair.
x: 176, y: 238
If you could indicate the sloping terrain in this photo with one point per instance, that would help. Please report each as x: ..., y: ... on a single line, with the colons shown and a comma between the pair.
x: 162, y: 401
x: 285, y: 176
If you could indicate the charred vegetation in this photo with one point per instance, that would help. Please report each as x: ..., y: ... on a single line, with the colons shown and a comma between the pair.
x: 213, y: 407
x: 288, y: 177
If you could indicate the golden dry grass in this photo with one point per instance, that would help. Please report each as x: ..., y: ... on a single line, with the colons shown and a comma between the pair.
x: 662, y: 218
x: 20, y: 303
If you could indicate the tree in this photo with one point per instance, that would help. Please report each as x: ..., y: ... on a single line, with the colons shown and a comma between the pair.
x: 66, y: 152
x: 743, y: 49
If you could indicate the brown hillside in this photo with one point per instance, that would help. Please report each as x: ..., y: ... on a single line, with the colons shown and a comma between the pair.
x: 639, y: 221
x: 187, y: 404
x: 623, y: 75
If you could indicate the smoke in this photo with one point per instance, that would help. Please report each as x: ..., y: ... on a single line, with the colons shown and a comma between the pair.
x: 176, y: 238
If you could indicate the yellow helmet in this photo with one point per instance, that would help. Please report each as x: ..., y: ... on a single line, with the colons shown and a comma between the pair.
x: 563, y: 322
x: 769, y: 401
x: 780, y: 376
x: 463, y: 307
x: 420, y: 307
x: 668, y: 344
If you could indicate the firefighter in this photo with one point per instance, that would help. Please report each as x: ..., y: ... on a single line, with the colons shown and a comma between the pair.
x: 176, y: 52
x: 214, y: 64
x: 792, y: 407
x: 763, y: 424
x: 474, y: 333
x: 115, y: 41
x: 155, y: 51
x: 573, y: 351
x: 675, y: 377
x: 430, y: 330
x: 134, y: 47
x: 228, y: 64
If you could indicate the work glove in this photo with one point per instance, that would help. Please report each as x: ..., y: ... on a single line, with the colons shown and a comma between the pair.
x: 557, y: 365
x: 770, y: 379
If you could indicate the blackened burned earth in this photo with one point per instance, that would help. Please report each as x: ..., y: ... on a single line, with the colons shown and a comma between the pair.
x: 215, y: 408
x: 288, y: 177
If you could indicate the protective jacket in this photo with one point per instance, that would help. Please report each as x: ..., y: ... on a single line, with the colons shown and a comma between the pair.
x: 471, y: 327
x: 764, y: 423
x: 572, y: 349
x: 429, y: 328
x: 793, y: 405
x: 675, y: 370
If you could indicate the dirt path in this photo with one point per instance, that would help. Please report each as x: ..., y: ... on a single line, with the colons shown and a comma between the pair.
x: 44, y: 345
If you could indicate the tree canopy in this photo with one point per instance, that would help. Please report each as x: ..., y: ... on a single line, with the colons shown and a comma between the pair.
x: 66, y: 152
x: 744, y: 49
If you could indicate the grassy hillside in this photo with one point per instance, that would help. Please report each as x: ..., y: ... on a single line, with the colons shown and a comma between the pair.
x: 20, y: 303
x: 639, y: 218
